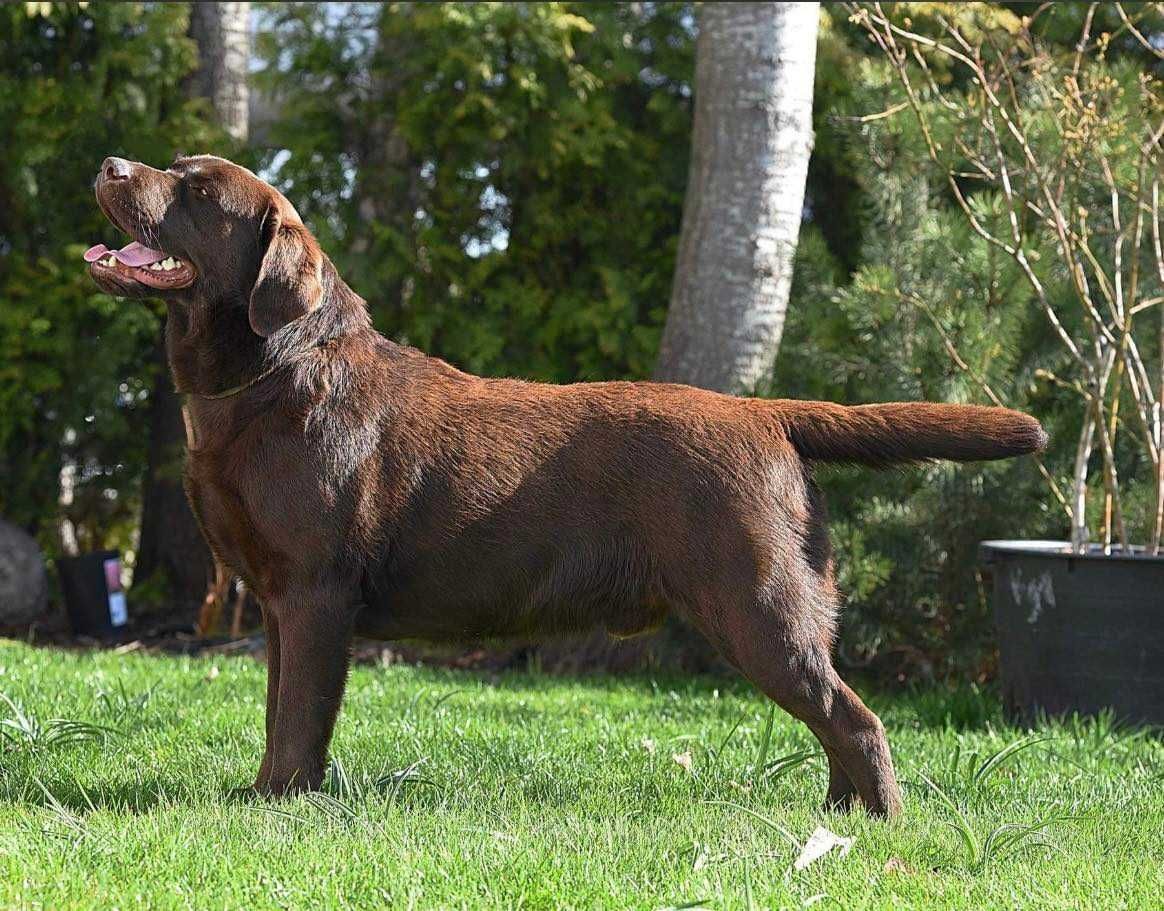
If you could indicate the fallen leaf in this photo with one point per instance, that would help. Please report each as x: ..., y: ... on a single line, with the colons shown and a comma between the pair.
x: 212, y: 673
x: 819, y: 843
x: 684, y: 759
x: 649, y: 745
x: 897, y: 865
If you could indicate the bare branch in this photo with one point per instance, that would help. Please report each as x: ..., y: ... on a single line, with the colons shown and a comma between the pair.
x: 1137, y: 33
x: 982, y: 384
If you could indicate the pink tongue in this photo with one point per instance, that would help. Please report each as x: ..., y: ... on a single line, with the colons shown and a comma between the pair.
x: 133, y: 254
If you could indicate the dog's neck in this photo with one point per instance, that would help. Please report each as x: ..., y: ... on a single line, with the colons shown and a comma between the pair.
x: 212, y: 348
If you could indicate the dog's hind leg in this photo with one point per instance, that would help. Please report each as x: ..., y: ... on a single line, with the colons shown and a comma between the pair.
x: 819, y: 560
x: 781, y: 640
x: 842, y: 792
x: 800, y: 678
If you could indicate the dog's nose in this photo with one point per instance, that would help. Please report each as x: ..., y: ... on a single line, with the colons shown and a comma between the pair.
x: 116, y: 169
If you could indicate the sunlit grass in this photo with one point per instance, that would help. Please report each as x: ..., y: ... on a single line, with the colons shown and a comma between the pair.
x: 118, y: 778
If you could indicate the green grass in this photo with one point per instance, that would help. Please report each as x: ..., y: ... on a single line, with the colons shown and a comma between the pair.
x: 456, y: 790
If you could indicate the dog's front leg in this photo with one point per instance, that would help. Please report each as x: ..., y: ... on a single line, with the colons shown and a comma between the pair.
x: 314, y: 636
x: 271, y: 625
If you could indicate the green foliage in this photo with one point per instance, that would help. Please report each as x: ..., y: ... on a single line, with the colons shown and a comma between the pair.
x: 78, y: 82
x: 529, y: 227
x: 924, y: 281
x: 504, y: 184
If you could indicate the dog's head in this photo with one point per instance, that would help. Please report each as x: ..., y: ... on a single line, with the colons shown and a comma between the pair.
x: 206, y: 230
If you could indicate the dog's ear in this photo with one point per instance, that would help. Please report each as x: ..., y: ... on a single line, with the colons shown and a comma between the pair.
x: 290, y: 282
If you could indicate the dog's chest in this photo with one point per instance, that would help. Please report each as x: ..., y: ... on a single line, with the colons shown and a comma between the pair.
x: 264, y: 512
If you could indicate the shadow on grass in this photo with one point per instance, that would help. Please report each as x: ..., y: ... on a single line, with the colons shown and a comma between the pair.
x: 406, y: 789
x: 966, y: 707
x: 139, y: 797
x: 124, y: 797
x: 962, y: 707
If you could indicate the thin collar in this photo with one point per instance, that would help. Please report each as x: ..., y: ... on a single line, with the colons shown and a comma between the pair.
x: 235, y: 390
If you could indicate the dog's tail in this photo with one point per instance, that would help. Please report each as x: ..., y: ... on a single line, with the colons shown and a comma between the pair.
x: 902, y: 432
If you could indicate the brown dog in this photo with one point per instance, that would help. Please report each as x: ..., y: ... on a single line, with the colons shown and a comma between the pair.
x: 361, y: 486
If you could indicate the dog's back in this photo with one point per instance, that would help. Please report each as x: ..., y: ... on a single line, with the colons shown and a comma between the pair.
x: 534, y: 509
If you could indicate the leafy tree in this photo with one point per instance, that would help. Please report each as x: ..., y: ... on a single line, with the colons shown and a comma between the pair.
x: 173, y: 557
x: 77, y: 82
x: 925, y: 282
x: 528, y: 220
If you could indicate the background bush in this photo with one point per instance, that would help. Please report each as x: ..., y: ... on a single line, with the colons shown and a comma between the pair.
x: 504, y: 184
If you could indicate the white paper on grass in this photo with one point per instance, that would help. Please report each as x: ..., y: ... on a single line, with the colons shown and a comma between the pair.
x: 819, y: 843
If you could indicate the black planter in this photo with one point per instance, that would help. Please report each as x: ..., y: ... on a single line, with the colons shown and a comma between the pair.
x: 94, y: 599
x: 1078, y: 632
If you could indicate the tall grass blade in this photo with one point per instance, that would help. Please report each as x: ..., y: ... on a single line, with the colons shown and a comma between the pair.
x: 398, y: 779
x: 771, y: 824
x: 765, y: 742
x: 447, y: 696
x: 749, y: 899
x: 996, y: 759
x: 718, y: 752
x: 332, y: 807
x: 961, y: 825
x: 778, y: 768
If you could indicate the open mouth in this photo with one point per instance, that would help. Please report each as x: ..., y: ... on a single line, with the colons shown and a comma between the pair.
x: 139, y: 263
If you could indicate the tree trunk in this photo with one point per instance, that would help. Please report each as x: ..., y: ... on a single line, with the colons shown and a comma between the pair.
x: 173, y: 554
x: 222, y: 33
x: 745, y: 192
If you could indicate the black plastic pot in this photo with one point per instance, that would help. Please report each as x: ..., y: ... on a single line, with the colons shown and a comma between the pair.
x: 1078, y: 632
x: 94, y: 598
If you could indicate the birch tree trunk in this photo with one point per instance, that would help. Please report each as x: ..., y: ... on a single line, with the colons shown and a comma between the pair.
x: 745, y: 192
x: 222, y: 33
x: 172, y: 551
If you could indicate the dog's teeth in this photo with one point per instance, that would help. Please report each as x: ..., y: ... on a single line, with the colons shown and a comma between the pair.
x: 108, y: 261
x: 157, y: 267
x: 168, y: 263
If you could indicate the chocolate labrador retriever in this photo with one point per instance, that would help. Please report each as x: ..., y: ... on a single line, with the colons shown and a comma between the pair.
x: 360, y: 486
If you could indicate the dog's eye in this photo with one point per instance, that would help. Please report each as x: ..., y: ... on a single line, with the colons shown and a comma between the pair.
x: 203, y: 192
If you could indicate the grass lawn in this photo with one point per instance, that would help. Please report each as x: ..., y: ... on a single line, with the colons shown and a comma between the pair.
x: 456, y: 790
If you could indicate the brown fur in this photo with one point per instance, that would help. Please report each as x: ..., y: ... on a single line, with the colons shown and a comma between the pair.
x: 360, y: 486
